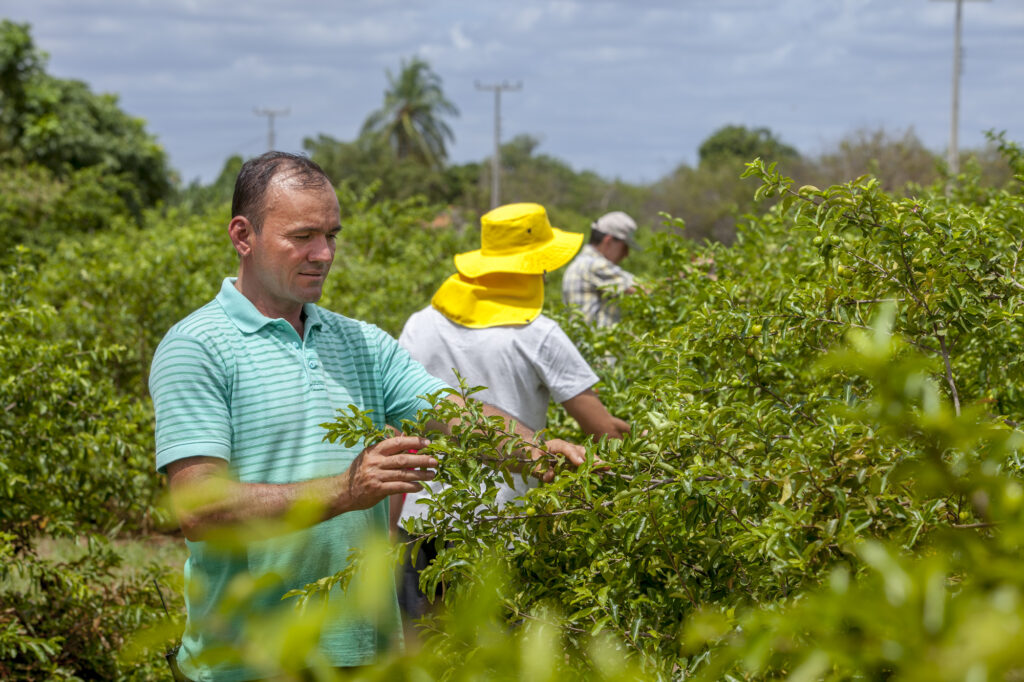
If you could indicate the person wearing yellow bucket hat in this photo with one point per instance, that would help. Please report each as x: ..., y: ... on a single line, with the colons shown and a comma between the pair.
x: 518, y: 238
x: 485, y: 322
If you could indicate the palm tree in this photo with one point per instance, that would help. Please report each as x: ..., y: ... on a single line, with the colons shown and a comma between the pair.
x: 410, y: 119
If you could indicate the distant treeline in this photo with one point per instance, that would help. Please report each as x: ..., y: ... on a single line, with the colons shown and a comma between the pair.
x: 73, y: 161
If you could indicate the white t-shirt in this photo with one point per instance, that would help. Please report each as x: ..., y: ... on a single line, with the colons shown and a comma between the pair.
x: 524, y: 367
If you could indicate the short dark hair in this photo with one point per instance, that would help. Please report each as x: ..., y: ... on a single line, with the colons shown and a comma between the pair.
x: 596, y: 236
x: 250, y: 197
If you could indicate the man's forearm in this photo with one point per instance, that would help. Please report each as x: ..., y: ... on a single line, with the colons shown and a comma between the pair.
x: 216, y: 502
x: 205, y: 497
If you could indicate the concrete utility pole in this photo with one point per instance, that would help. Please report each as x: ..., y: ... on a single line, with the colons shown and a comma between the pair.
x: 271, y: 114
x: 496, y: 159
x: 954, y: 148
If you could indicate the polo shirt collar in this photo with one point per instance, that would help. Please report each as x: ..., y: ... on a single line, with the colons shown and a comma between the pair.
x: 247, y: 318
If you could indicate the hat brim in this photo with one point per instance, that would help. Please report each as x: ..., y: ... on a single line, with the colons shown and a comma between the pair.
x: 499, y: 299
x: 552, y: 255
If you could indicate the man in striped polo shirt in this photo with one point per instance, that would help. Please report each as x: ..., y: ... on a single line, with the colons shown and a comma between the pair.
x: 240, y: 388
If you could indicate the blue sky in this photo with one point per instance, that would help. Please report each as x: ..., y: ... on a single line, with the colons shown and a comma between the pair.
x: 626, y: 89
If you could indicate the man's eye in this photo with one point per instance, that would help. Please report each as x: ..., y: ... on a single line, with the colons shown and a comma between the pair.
x: 332, y: 236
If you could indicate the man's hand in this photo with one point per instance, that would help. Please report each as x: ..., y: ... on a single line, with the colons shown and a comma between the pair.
x: 573, y: 453
x: 205, y: 497
x: 593, y: 417
x: 385, y: 469
x: 621, y: 427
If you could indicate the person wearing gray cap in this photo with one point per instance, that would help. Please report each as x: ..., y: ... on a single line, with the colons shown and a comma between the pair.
x: 594, y: 281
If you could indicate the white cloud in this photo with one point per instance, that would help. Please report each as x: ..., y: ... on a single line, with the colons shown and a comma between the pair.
x: 628, y: 88
x: 459, y: 39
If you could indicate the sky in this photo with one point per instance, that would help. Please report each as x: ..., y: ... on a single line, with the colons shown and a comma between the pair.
x: 626, y: 88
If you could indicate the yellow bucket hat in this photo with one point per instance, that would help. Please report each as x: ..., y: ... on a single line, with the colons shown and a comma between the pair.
x: 492, y: 300
x: 518, y: 238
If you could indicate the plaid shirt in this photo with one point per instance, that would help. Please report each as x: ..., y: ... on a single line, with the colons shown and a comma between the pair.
x: 593, y: 283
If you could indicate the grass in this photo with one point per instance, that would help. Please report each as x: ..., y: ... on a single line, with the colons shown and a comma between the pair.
x: 135, y: 551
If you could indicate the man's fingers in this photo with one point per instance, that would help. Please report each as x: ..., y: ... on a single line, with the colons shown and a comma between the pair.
x: 403, y: 487
x: 576, y: 454
x: 407, y: 475
x: 408, y: 461
x: 393, y: 446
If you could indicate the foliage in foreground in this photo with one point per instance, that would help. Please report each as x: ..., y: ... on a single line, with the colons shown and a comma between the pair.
x: 823, y: 429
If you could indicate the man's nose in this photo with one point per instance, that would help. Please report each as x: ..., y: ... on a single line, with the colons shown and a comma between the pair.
x: 321, y: 250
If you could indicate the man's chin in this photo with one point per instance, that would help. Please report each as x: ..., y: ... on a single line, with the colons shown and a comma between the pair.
x: 312, y: 288
x: 311, y: 294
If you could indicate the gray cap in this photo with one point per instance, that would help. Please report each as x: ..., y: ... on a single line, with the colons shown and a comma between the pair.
x: 619, y: 225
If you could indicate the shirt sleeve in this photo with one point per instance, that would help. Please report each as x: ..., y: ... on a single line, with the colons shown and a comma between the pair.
x: 561, y: 367
x: 404, y: 380
x: 189, y: 388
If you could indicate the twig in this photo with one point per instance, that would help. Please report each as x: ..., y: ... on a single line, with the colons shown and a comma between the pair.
x: 949, y: 374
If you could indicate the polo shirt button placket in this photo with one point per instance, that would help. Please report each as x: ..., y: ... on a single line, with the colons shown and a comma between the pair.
x: 315, y: 378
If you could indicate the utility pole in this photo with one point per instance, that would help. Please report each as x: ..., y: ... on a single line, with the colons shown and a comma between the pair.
x: 954, y: 148
x: 271, y: 114
x: 496, y: 158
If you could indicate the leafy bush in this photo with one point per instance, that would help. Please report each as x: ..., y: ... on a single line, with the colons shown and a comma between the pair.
x: 75, y: 459
x: 39, y: 209
x: 771, y: 474
x: 822, y: 480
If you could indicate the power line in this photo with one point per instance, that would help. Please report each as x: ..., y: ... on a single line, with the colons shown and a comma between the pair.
x: 271, y: 114
x: 496, y: 159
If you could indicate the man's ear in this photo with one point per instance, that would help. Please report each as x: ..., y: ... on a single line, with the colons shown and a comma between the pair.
x: 605, y: 245
x: 241, y: 232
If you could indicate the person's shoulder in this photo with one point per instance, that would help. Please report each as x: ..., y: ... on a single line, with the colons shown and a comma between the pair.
x: 543, y: 324
x: 421, y: 321
x: 426, y: 314
x: 206, y: 324
x: 342, y: 323
x: 580, y: 260
x: 540, y: 329
x: 205, y: 335
x: 348, y: 330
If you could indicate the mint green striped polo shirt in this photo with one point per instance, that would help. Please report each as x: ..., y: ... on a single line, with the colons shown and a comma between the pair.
x: 229, y: 382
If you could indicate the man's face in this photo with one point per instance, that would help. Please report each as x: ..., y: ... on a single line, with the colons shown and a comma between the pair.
x: 292, y: 254
x: 614, y: 249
